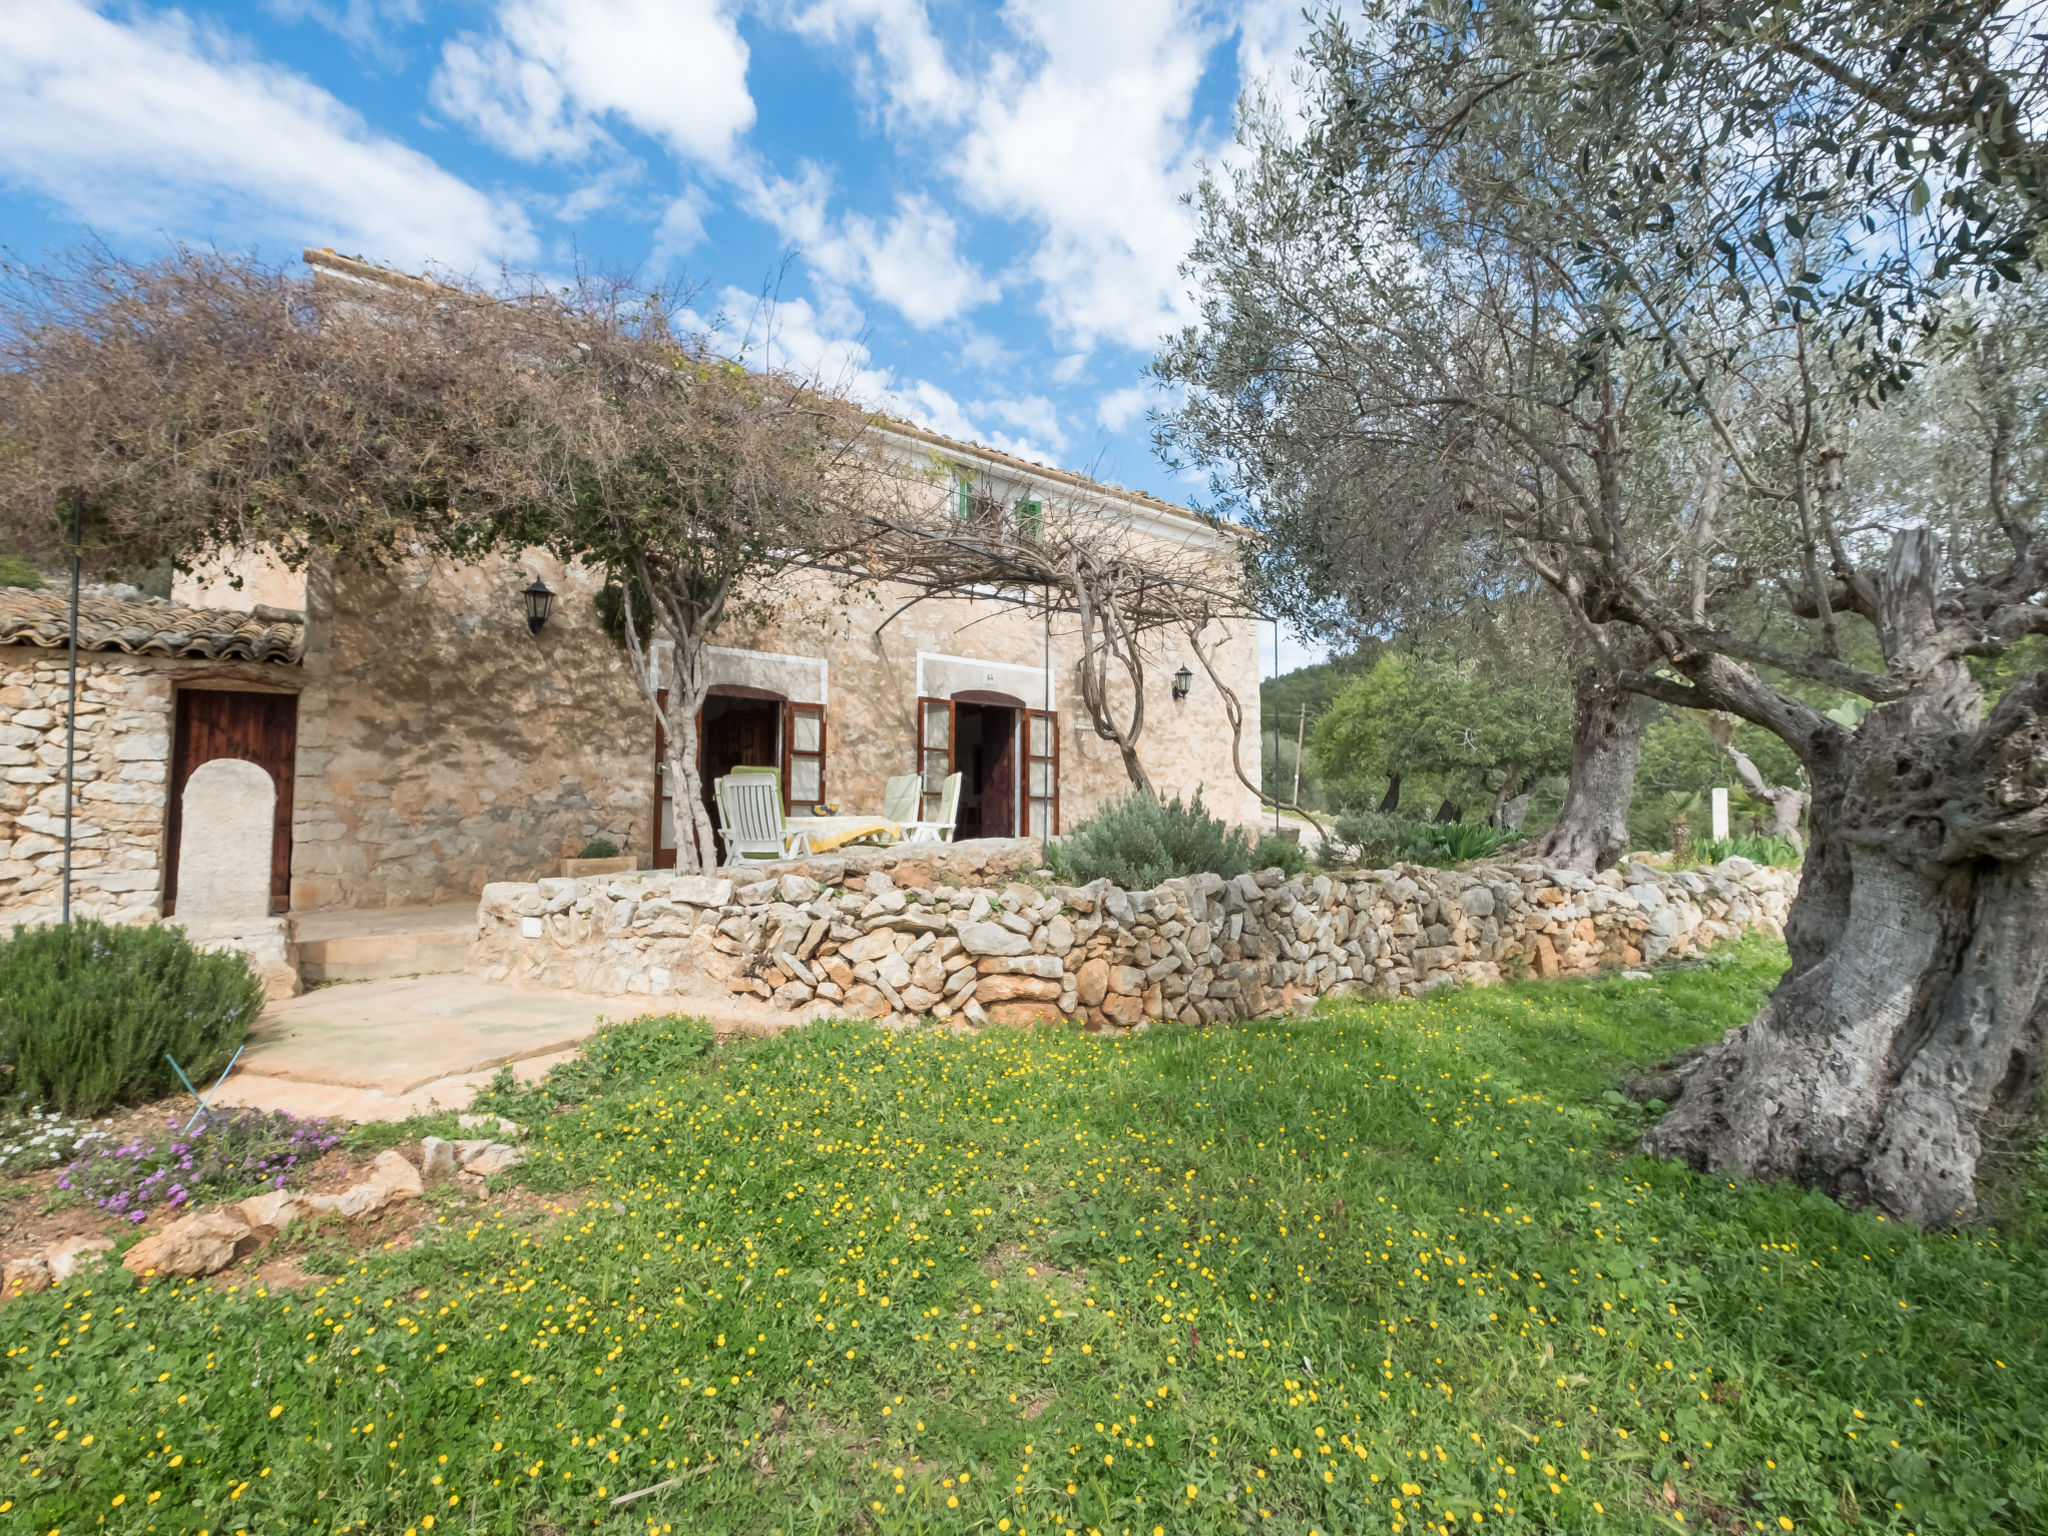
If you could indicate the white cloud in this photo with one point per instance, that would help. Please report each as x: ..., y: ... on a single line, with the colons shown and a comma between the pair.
x: 362, y: 24
x: 681, y: 229
x: 1082, y: 130
x: 1032, y: 413
x: 543, y: 84
x: 795, y: 334
x: 907, y: 76
x: 1090, y: 142
x: 1120, y: 407
x: 151, y: 123
x: 912, y: 261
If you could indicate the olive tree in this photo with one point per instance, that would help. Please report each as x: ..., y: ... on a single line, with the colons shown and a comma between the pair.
x: 1650, y: 330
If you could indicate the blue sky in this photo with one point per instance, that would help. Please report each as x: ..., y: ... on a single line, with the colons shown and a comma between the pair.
x: 968, y: 214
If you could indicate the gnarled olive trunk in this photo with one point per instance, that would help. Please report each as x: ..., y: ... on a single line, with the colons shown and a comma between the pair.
x: 1917, y: 997
x: 1591, y: 832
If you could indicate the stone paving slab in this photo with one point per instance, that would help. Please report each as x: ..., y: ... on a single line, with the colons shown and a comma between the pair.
x: 382, y: 1050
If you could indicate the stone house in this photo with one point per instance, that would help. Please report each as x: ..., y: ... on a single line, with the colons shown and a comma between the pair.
x: 424, y: 742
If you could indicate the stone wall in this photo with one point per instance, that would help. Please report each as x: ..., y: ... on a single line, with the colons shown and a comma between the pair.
x: 126, y: 714
x: 442, y: 745
x: 951, y: 934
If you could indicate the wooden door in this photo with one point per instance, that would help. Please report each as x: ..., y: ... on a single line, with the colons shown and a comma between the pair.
x: 261, y: 728
x: 998, y: 771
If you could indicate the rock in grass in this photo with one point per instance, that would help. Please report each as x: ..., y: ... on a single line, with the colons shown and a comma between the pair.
x: 493, y: 1158
x: 195, y: 1245
x: 24, y: 1277
x: 437, y: 1158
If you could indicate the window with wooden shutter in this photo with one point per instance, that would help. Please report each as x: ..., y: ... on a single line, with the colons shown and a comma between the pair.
x: 1042, y: 773
x: 1030, y: 519
x: 934, y: 751
x: 803, y: 755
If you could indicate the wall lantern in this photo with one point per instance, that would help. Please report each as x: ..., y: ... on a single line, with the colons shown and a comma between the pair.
x: 1183, y: 680
x: 538, y: 600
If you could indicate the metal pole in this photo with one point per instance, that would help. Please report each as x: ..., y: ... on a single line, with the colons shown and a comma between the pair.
x: 1276, y: 728
x: 71, y: 698
x: 1300, y: 730
x: 1052, y: 746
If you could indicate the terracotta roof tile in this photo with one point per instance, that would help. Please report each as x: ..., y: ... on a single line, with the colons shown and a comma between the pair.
x: 147, y: 627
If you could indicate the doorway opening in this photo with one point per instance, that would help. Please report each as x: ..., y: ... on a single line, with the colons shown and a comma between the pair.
x: 740, y: 729
x: 985, y: 756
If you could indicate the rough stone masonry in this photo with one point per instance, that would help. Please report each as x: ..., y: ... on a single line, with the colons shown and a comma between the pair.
x: 825, y: 937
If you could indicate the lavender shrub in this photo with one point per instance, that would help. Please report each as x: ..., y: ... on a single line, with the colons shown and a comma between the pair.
x: 245, y: 1152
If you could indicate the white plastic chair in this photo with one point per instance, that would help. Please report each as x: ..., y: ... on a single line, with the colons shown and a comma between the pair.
x: 899, y: 798
x: 940, y: 829
x: 750, y: 810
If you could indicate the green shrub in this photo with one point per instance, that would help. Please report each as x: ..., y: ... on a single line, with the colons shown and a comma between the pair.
x: 1459, y: 841
x: 1778, y: 851
x: 1376, y: 839
x: 88, y: 1011
x: 17, y: 572
x: 599, y: 848
x: 1140, y: 840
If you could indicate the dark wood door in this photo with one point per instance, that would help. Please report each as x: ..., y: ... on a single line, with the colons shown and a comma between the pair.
x: 261, y: 728
x: 998, y: 771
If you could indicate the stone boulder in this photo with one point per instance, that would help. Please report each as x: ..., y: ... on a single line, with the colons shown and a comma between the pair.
x: 1024, y: 1013
x: 392, y: 1180
x: 203, y: 1244
x: 437, y: 1158
x: 495, y: 1157
x: 1091, y: 982
x: 75, y: 1253
x: 25, y: 1276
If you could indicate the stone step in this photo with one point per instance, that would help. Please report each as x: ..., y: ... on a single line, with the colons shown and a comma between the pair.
x: 382, y: 944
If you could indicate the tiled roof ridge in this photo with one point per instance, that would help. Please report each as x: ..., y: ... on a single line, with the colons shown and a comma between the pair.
x: 146, y: 626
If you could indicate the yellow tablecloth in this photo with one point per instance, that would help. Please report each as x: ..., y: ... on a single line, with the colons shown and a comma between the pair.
x: 830, y: 832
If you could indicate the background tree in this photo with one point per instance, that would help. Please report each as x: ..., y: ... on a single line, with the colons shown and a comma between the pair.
x: 1706, y: 356
x: 1289, y: 703
x: 1463, y: 729
x: 1382, y: 418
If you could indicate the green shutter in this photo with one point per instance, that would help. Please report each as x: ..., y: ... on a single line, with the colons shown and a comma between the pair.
x: 963, y: 499
x: 1031, y: 519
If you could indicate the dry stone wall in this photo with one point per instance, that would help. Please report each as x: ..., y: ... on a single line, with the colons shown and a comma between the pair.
x: 124, y: 750
x: 951, y: 935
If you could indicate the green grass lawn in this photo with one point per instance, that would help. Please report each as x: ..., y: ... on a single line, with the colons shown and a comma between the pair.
x: 1389, y: 1269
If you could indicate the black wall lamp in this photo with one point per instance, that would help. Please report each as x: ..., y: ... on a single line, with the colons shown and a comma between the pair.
x: 1183, y: 680
x: 539, y: 598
